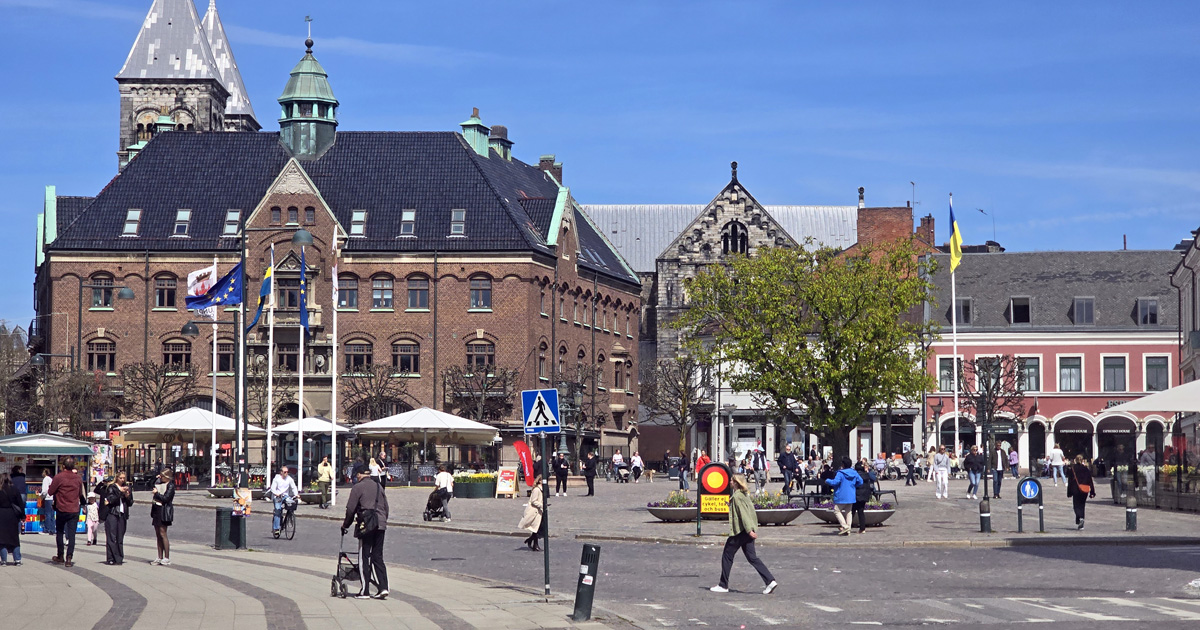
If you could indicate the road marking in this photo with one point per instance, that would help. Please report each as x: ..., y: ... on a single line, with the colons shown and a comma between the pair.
x: 1190, y: 615
x: 698, y: 622
x: 954, y: 609
x: 866, y: 623
x: 823, y: 608
x: 1066, y: 610
x: 653, y: 606
x: 665, y: 622
x: 753, y: 611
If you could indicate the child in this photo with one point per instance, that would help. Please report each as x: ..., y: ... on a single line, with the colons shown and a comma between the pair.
x: 93, y: 517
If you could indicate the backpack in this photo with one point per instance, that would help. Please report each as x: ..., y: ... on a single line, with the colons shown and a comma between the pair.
x: 864, y: 492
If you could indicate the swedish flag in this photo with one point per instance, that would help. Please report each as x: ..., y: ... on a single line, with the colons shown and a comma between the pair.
x: 264, y: 291
x: 226, y: 292
x: 956, y: 239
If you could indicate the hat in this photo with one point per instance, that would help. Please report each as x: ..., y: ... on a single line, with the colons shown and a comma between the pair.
x: 93, y: 495
x: 362, y: 469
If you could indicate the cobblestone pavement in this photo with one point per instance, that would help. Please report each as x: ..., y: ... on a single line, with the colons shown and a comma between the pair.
x: 205, y: 588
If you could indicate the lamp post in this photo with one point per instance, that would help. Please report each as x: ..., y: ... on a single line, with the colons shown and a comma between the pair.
x: 572, y: 392
x: 123, y: 293
x: 937, y: 419
x: 191, y: 331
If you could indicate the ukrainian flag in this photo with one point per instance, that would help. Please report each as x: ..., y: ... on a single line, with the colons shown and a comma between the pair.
x: 956, y: 240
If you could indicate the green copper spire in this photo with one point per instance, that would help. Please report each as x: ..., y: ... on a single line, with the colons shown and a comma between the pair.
x: 308, y: 120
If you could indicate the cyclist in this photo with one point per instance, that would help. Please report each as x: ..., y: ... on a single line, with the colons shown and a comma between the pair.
x: 282, y: 487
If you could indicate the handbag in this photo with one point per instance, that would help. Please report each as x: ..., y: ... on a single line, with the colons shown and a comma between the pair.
x: 368, y: 519
x: 1085, y: 488
x: 18, y: 508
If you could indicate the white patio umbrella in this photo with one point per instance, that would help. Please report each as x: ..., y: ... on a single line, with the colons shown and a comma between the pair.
x: 425, y: 423
x: 311, y: 424
x: 1181, y: 399
x: 182, y: 424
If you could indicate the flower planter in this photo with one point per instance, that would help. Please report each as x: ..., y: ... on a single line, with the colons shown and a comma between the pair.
x: 258, y: 494
x: 221, y: 493
x: 673, y: 514
x: 475, y: 490
x: 874, y: 517
x: 777, y: 516
x: 311, y: 498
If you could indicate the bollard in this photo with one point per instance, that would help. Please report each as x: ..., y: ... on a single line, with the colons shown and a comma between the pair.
x: 585, y: 590
x: 985, y: 516
x: 1020, y: 524
x: 1131, y: 513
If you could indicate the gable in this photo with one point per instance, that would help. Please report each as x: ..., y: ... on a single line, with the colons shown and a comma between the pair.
x: 292, y: 188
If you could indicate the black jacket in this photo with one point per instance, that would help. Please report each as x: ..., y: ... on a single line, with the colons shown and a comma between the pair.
x: 110, y: 498
x: 366, y: 495
x: 561, y: 467
x: 787, y: 461
x: 165, y: 513
x: 589, y: 467
x: 974, y: 462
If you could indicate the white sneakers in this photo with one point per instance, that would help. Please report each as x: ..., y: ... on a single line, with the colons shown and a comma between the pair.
x: 719, y: 589
x: 770, y: 587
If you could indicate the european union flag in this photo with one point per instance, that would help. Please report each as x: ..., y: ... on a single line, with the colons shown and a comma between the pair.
x: 226, y: 292
x: 303, y: 293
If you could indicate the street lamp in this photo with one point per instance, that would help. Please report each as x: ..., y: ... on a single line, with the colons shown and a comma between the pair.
x: 191, y: 331
x: 728, y: 408
x: 937, y: 419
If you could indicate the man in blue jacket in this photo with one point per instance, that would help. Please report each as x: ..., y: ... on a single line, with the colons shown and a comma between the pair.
x: 844, y: 485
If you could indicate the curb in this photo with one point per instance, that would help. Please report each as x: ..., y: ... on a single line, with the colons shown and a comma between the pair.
x: 996, y: 543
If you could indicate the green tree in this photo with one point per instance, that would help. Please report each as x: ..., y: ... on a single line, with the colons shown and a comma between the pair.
x: 835, y: 333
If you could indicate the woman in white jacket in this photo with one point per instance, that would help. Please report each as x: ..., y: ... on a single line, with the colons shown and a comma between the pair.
x: 532, y: 520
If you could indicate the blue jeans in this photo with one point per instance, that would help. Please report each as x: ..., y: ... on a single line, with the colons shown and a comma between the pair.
x: 48, y: 525
x: 787, y: 481
x: 1014, y: 470
x: 683, y: 482
x: 972, y: 482
x: 996, y: 479
x: 1056, y: 472
x: 16, y: 554
x: 278, y: 516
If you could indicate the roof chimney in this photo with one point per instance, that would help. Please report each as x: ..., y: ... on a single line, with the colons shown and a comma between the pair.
x: 476, y: 133
x: 547, y: 164
x: 925, y: 231
x: 862, y: 202
x: 499, y: 142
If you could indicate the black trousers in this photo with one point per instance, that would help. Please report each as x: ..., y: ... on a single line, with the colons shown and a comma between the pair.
x: 371, y: 557
x: 860, y: 510
x: 1079, y: 502
x: 114, y: 537
x: 560, y: 483
x: 66, y: 523
x: 744, y: 542
x: 591, y: 482
x: 912, y: 475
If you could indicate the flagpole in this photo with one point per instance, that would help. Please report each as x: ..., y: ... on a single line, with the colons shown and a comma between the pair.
x: 300, y: 407
x: 954, y: 336
x: 271, y: 366
x: 333, y: 445
x: 212, y: 446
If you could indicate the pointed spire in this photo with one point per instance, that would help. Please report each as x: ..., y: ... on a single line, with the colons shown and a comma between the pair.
x: 238, y: 104
x: 170, y: 45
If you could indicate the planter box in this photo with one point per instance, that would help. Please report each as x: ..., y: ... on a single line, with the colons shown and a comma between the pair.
x: 673, y: 514
x: 221, y: 493
x: 475, y: 490
x: 874, y: 517
x: 777, y: 516
x: 258, y: 494
x: 311, y: 498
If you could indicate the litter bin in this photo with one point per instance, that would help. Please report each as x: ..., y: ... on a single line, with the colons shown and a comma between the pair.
x: 230, y: 530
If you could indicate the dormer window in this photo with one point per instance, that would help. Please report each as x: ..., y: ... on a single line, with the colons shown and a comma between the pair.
x: 1018, y: 309
x: 1147, y: 312
x: 232, y: 219
x: 182, y: 219
x: 358, y: 223
x: 408, y: 222
x: 133, y: 219
x: 458, y: 222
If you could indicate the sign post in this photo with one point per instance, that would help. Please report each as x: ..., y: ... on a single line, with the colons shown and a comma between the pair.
x: 712, y: 491
x: 539, y: 410
x: 1029, y: 490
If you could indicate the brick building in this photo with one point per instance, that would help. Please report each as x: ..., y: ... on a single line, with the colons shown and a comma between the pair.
x: 452, y: 252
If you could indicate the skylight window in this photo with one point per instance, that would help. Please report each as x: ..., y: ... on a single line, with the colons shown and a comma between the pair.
x: 358, y: 223
x: 458, y: 222
x: 408, y: 222
x: 232, y: 218
x: 182, y: 219
x: 133, y: 218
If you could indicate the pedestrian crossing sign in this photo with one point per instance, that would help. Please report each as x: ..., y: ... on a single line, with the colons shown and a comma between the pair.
x: 539, y: 408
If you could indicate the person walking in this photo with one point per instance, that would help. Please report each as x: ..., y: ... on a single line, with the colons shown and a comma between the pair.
x: 929, y: 464
x: 1057, y: 461
x: 384, y: 475
x: 364, y: 499
x: 324, y: 478
x: 561, y: 469
x: 787, y: 466
x: 743, y: 531
x: 845, y: 484
x: 18, y: 482
x: 941, y: 472
x: 1014, y: 461
x: 376, y: 470
x: 683, y: 470
x: 666, y: 461
x: 758, y: 463
x: 46, y: 508
x: 589, y: 473
x: 531, y: 520
x: 1080, y: 488
x: 910, y: 462
x: 975, y: 464
x: 12, y: 519
x: 1000, y: 463
x: 92, y: 520
x: 67, y: 490
x: 445, y: 489
x: 864, y: 493
x: 282, y: 488
x: 637, y: 465
x: 162, y: 514
x: 116, y: 498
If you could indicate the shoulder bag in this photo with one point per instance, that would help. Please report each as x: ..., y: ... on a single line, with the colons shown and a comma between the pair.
x: 368, y: 518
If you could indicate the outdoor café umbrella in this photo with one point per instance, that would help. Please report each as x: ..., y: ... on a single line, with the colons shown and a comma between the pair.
x: 184, y: 424
x: 429, y: 424
x: 1181, y: 399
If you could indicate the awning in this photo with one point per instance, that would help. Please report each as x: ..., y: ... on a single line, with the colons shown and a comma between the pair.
x: 428, y: 424
x: 1182, y: 399
x: 185, y: 425
x: 43, y: 444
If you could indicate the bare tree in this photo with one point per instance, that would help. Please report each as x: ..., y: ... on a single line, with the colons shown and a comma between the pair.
x: 672, y: 391
x: 283, y: 391
x: 71, y: 399
x: 592, y: 413
x: 374, y: 391
x: 480, y: 394
x: 153, y: 389
x: 989, y: 386
x: 12, y: 356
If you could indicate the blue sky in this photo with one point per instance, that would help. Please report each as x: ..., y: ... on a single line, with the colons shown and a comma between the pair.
x: 1073, y: 124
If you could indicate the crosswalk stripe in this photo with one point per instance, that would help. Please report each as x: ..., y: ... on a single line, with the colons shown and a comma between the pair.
x: 1190, y: 615
x: 1067, y: 610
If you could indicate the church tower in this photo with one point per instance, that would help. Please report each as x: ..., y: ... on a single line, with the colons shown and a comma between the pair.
x: 308, y: 122
x: 239, y: 115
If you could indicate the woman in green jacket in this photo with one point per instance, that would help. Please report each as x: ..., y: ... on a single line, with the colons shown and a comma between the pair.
x: 743, y: 524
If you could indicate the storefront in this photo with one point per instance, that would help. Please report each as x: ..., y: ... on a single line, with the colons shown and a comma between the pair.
x: 966, y: 433
x: 1074, y: 435
x: 1116, y: 440
x: 46, y: 452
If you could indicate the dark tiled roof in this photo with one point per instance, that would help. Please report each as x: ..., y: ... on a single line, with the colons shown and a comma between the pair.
x: 508, y: 204
x: 1116, y: 280
x: 67, y: 209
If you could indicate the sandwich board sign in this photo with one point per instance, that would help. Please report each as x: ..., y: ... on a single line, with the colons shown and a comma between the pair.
x: 539, y: 408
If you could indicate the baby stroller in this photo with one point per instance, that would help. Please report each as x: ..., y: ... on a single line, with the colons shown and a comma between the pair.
x: 622, y: 473
x: 347, y: 571
x: 433, y: 505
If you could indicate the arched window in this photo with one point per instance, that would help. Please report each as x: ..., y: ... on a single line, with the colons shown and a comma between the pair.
x: 276, y: 215
x: 101, y: 356
x: 418, y: 292
x: 618, y: 376
x: 177, y: 353
x: 579, y: 357
x: 406, y: 357
x: 562, y: 361
x: 600, y: 371
x: 102, y: 290
x: 293, y: 215
x: 734, y: 238
x: 164, y: 291
x: 358, y: 356
x: 381, y: 292
x: 481, y: 292
x: 542, y: 361
x: 310, y: 215
x: 481, y: 354
x: 348, y: 291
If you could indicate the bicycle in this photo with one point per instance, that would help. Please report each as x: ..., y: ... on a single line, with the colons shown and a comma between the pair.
x: 287, y: 522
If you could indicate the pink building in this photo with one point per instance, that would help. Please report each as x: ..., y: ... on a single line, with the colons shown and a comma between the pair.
x: 1093, y: 329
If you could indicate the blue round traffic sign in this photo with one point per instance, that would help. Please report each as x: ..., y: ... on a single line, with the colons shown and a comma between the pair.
x: 1030, y: 489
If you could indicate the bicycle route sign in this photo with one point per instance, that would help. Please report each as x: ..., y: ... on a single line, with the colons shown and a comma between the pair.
x: 539, y: 409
